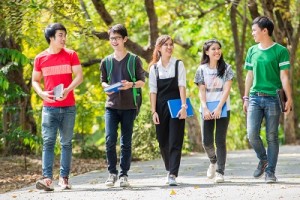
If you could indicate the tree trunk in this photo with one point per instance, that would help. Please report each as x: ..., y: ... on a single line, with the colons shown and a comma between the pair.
x: 194, y: 133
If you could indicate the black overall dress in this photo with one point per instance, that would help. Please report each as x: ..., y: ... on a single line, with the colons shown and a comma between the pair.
x: 169, y: 132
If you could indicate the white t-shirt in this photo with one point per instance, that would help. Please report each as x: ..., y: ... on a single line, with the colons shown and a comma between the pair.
x: 213, y: 84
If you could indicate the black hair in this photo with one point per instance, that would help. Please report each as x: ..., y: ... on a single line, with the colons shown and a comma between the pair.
x: 51, y: 29
x: 221, y: 65
x: 118, y: 28
x: 264, y: 22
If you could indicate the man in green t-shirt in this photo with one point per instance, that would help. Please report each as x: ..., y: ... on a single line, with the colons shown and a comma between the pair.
x: 268, y: 70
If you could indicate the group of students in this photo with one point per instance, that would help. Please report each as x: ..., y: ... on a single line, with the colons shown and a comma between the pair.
x: 267, y: 64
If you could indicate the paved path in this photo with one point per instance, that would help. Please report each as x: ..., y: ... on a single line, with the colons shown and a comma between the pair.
x: 147, y: 181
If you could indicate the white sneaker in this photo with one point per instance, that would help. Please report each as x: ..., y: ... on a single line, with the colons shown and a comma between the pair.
x: 124, y: 181
x: 45, y: 184
x: 219, y: 178
x: 64, y: 183
x: 211, y: 171
x: 167, y: 178
x: 112, y: 178
x: 172, y: 180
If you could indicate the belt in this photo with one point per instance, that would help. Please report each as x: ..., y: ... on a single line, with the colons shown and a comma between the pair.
x: 262, y: 94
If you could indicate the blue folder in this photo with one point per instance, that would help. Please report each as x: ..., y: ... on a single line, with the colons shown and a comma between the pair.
x: 213, y: 104
x: 175, y: 105
x: 114, y: 87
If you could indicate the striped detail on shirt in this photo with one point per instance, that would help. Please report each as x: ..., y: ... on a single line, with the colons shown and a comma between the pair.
x: 284, y: 63
x: 57, y: 70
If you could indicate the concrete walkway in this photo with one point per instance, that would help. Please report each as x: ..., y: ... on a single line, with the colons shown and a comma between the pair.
x: 147, y: 181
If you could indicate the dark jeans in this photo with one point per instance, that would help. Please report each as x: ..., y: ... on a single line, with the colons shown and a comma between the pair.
x: 208, y: 133
x: 112, y: 119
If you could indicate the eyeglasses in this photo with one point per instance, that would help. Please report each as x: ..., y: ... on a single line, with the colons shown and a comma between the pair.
x: 115, y: 38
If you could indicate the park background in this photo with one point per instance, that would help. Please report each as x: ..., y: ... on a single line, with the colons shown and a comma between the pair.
x: 190, y: 23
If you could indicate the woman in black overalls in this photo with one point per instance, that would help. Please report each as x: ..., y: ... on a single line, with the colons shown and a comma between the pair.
x: 167, y: 80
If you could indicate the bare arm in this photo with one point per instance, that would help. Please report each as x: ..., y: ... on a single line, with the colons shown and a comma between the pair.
x: 155, y: 116
x: 36, y: 84
x: 284, y: 76
x: 207, y: 115
x: 248, y: 84
x: 182, y: 112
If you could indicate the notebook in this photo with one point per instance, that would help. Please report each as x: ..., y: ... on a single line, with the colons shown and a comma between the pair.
x: 282, y: 99
x: 113, y: 88
x: 175, y: 105
x: 213, y: 104
x: 58, y: 91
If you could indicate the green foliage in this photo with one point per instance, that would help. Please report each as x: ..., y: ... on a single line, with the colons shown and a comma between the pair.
x: 144, y: 143
x: 91, y: 152
x: 21, y: 140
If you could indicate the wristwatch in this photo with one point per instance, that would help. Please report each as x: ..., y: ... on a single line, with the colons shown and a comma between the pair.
x: 133, y: 84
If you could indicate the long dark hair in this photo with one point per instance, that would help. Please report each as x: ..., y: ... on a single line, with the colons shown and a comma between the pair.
x: 221, y: 65
x: 159, y: 42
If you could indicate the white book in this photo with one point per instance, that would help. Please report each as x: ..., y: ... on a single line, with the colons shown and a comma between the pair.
x: 58, y: 91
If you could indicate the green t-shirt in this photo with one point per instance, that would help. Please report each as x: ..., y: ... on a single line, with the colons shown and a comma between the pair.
x: 266, y: 65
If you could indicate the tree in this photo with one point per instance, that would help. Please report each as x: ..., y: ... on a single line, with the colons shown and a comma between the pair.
x: 17, y: 105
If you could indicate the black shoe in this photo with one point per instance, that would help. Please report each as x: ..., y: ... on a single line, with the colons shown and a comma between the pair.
x: 270, y: 177
x: 260, y: 169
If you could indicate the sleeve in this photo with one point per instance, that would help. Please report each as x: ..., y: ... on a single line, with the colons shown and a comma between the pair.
x: 199, y: 77
x: 152, y: 80
x: 248, y: 64
x: 74, y: 59
x: 229, y: 73
x: 181, y: 74
x: 103, y: 76
x: 284, y: 59
x: 36, y: 64
x: 140, y: 72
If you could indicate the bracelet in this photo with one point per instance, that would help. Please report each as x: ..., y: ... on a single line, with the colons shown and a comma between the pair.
x: 184, y: 106
x: 153, y: 112
x: 245, y: 98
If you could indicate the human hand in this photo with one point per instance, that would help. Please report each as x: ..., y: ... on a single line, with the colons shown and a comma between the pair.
x: 155, y: 118
x: 47, y: 96
x: 182, y: 114
x: 207, y: 115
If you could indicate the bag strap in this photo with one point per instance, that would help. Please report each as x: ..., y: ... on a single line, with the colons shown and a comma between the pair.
x: 131, y: 68
x: 109, y: 66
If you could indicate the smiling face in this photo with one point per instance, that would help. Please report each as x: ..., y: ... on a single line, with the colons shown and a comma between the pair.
x: 59, y: 40
x: 214, y: 52
x: 258, y: 33
x: 167, y: 48
x: 117, y: 41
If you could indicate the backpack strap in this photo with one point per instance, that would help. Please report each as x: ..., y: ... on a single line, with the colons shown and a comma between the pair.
x: 156, y: 71
x: 109, y: 66
x: 131, y: 68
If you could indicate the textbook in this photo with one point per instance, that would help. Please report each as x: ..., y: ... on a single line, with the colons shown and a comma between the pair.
x: 175, y: 105
x: 58, y: 91
x: 114, y: 87
x: 213, y: 104
x: 282, y: 99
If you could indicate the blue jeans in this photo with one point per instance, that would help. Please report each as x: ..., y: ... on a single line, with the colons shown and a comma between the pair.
x: 264, y: 107
x: 54, y: 119
x: 112, y: 119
